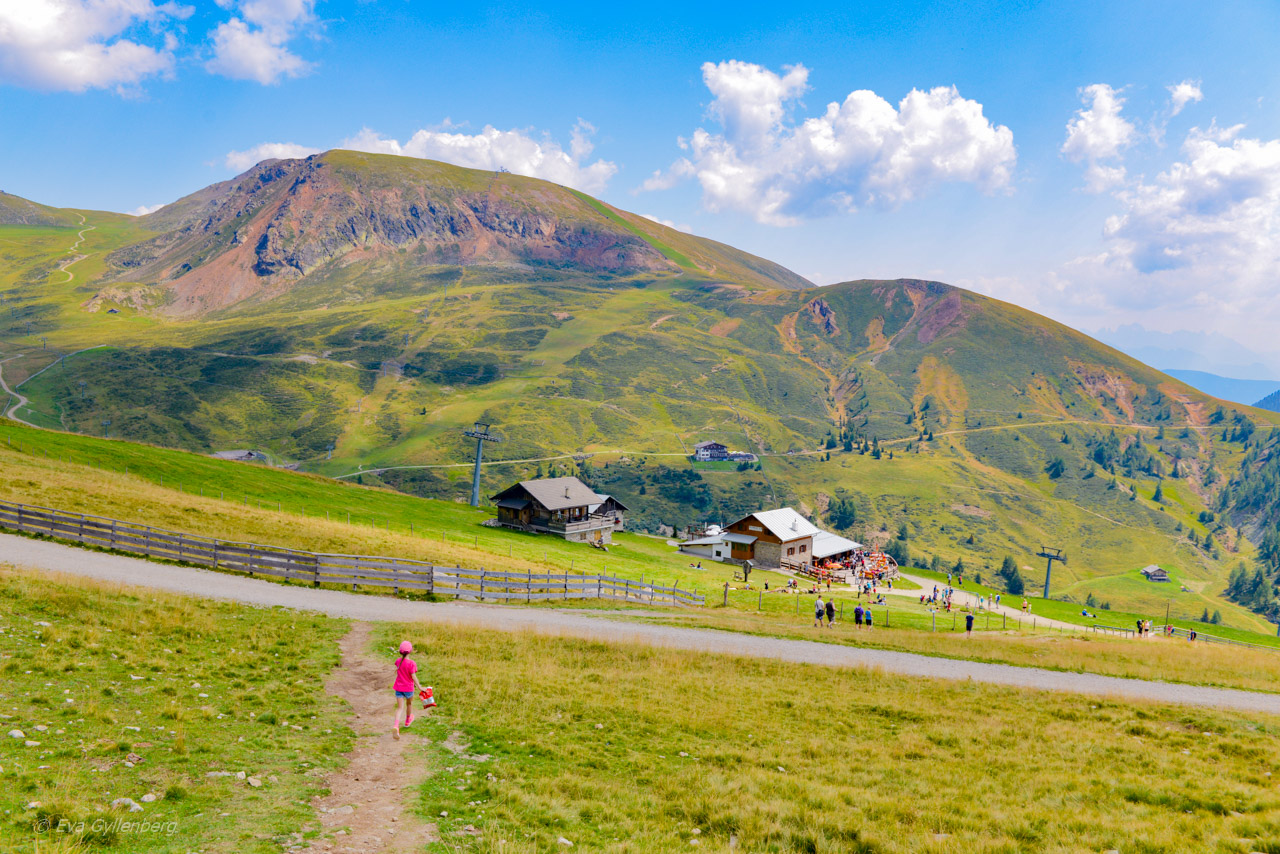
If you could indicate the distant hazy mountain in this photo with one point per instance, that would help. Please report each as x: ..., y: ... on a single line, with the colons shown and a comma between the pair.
x: 1227, y: 388
x: 1208, y: 352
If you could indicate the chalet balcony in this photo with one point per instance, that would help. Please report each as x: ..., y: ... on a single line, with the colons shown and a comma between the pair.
x: 560, y: 526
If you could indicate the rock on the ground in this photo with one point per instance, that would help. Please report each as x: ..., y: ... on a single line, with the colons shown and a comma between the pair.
x: 17, y: 733
x: 126, y: 803
x: 149, y: 798
x: 566, y: 843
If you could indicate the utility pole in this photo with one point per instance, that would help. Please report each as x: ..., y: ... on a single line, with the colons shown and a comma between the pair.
x: 481, y: 434
x: 1050, y: 555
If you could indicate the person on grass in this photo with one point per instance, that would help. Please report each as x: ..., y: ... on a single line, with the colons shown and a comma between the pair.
x: 831, y: 612
x: 866, y: 616
x: 968, y: 625
x: 818, y: 613
x: 406, y: 686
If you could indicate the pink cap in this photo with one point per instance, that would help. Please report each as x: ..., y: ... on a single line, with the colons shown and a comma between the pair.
x: 406, y: 647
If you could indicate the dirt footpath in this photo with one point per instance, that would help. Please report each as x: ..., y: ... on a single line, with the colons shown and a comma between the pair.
x: 367, y: 808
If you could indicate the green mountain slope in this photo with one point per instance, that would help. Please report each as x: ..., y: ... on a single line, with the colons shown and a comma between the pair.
x: 265, y: 313
x: 15, y: 210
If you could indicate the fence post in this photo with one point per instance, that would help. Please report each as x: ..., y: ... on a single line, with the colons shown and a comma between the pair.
x: 482, y: 584
x: 251, y: 556
x: 934, y: 614
x: 315, y: 572
x: 528, y: 587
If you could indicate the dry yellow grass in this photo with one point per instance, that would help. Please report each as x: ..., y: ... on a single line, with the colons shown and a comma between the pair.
x: 629, y: 749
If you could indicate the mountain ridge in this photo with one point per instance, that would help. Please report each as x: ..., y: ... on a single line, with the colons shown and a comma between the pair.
x: 266, y: 231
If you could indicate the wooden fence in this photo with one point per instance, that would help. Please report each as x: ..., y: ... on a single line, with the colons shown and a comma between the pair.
x: 334, y: 569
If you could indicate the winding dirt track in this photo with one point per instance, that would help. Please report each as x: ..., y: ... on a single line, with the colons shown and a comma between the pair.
x: 55, y: 557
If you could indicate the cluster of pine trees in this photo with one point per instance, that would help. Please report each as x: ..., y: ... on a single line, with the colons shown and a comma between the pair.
x: 1253, y: 590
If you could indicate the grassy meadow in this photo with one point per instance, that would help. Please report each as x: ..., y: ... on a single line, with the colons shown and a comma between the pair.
x: 623, y: 749
x: 256, y: 503
x: 614, y: 748
x: 129, y: 694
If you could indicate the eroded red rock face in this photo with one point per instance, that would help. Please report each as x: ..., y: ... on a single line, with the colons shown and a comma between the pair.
x: 260, y: 234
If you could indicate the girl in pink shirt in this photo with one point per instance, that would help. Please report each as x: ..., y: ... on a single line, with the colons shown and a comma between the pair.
x: 406, y: 685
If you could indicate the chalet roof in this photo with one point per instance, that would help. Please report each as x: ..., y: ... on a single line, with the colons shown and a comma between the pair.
x: 553, y: 493
x: 601, y: 499
x: 513, y: 503
x: 784, y: 523
x: 826, y: 544
x: 708, y: 445
x: 717, y: 539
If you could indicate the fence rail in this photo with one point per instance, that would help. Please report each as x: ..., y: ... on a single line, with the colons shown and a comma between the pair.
x: 1175, y: 631
x: 354, y: 570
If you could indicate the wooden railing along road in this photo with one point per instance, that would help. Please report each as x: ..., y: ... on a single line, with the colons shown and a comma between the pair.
x: 317, y: 569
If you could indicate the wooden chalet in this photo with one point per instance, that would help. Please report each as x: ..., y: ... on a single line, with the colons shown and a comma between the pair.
x: 710, y: 451
x: 1154, y: 573
x: 774, y: 535
x: 563, y: 506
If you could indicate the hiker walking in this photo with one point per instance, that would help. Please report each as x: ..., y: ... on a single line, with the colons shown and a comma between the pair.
x: 968, y: 624
x: 831, y: 611
x: 406, y: 685
x: 818, y: 613
x: 857, y: 617
x: 866, y: 615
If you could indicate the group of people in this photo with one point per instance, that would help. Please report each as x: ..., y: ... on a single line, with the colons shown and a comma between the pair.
x: 940, y: 598
x: 861, y: 616
x: 1144, y: 628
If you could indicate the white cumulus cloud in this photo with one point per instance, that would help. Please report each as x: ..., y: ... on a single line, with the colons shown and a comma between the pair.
x: 75, y: 45
x: 514, y: 150
x: 1097, y: 133
x: 242, y: 160
x: 143, y: 210
x: 1181, y: 94
x: 254, y: 44
x: 862, y: 151
x: 1199, y: 243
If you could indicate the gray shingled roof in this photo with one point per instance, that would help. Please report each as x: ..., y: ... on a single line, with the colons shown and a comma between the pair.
x: 558, y: 493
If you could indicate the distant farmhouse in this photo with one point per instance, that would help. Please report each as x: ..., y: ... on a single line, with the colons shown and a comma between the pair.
x: 563, y: 506
x: 1154, y: 573
x: 770, y: 538
x: 708, y: 452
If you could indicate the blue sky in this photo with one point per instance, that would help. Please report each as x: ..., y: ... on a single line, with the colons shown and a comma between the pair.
x: 1160, y: 206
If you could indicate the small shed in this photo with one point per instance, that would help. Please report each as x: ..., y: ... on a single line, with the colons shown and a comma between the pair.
x: 1154, y: 573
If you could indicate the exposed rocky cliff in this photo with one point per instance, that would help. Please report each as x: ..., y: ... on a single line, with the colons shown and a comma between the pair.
x: 256, y: 236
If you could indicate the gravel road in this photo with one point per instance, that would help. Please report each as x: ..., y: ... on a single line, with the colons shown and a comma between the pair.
x: 55, y: 557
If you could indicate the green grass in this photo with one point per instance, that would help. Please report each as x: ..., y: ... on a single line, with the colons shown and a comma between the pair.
x: 146, y: 693
x: 624, y: 749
